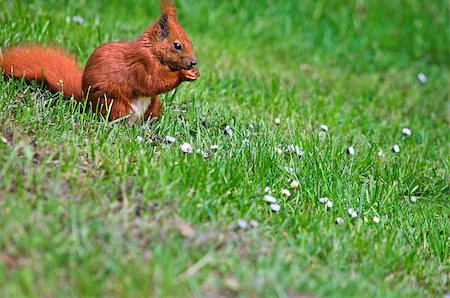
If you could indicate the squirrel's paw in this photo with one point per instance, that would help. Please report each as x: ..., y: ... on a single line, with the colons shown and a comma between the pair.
x: 189, y: 75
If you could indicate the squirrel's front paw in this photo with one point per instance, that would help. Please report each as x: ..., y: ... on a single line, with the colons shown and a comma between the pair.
x: 189, y: 75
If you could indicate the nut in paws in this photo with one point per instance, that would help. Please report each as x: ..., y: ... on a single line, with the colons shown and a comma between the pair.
x: 190, y: 75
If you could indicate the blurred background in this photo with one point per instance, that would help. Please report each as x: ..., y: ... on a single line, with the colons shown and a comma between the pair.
x: 254, y: 35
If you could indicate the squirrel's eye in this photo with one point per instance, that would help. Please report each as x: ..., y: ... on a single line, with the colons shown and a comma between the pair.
x: 177, y: 46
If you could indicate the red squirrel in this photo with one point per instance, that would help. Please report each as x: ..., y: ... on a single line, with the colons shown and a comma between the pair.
x: 125, y: 76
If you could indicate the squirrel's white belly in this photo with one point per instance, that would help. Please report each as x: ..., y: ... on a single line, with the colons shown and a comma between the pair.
x: 138, y: 109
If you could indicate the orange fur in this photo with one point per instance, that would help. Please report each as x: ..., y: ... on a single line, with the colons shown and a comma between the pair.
x: 53, y: 66
x: 125, y: 76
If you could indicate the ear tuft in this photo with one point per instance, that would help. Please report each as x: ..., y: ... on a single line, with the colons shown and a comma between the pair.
x: 168, y: 7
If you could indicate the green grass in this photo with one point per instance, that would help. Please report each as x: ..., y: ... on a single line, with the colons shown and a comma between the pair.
x: 88, y: 211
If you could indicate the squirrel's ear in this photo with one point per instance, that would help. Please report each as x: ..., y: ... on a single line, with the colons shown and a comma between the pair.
x: 163, y: 27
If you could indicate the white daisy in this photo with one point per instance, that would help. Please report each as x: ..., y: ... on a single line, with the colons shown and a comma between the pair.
x: 295, y: 184
x: 286, y: 192
x: 269, y: 199
x: 275, y: 207
x: 170, y: 139
x: 186, y: 148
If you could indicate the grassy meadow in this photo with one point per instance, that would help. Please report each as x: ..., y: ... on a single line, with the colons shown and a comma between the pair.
x: 91, y: 208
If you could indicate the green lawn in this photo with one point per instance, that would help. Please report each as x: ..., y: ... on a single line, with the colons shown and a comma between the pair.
x: 88, y: 210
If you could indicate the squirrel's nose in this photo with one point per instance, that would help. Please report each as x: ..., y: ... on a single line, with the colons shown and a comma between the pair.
x: 194, y: 62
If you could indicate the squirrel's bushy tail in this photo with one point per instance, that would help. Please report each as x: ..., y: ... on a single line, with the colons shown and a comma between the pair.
x: 58, y: 70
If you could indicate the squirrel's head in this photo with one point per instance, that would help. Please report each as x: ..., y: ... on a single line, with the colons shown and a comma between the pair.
x: 170, y: 43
